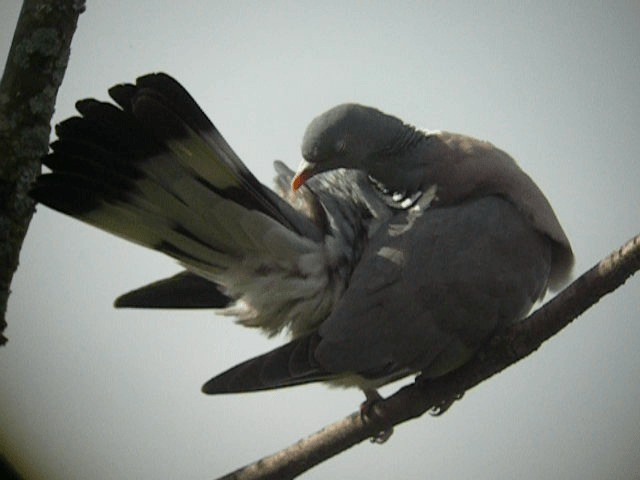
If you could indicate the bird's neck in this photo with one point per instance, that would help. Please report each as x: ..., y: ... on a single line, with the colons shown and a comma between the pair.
x: 407, y: 139
x: 399, y: 168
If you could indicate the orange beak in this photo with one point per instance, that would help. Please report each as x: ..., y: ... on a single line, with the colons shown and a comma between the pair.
x: 304, y: 173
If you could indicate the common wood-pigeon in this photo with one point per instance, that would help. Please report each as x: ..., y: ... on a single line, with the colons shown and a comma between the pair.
x: 391, y: 251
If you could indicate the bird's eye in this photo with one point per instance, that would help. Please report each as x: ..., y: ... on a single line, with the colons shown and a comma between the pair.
x: 341, y: 146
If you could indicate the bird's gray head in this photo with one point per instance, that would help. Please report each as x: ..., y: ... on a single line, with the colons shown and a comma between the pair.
x: 350, y: 136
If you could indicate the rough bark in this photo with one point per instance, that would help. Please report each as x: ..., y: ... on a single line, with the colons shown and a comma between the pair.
x: 32, y: 75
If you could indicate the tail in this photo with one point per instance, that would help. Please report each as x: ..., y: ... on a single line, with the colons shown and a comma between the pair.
x: 291, y: 364
x: 154, y: 170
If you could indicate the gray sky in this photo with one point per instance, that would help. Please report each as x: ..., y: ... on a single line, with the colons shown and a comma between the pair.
x: 91, y: 392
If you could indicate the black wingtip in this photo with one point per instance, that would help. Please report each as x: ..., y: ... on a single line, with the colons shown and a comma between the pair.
x: 289, y: 365
x: 184, y: 290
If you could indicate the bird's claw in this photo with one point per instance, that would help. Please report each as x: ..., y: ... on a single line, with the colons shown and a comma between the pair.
x: 382, y: 436
x: 366, y: 409
x: 443, y: 406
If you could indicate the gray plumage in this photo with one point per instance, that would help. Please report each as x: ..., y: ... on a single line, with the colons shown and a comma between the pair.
x: 471, y: 243
x: 156, y: 171
x: 396, y: 251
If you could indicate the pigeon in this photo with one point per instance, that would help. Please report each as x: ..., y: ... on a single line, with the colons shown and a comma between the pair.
x: 391, y: 251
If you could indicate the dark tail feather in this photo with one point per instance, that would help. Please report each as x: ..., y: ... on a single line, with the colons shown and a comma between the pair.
x: 291, y: 364
x: 184, y: 290
x: 146, y: 169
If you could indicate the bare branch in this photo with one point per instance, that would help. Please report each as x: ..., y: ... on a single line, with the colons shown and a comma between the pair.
x: 33, y: 73
x: 505, y: 348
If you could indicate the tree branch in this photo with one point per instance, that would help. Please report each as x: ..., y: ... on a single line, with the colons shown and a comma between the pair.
x: 31, y: 79
x: 504, y: 349
x: 33, y: 73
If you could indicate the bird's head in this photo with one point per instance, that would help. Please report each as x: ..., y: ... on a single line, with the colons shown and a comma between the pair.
x: 350, y: 136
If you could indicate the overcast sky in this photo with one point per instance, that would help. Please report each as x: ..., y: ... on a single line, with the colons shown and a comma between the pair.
x: 87, y: 391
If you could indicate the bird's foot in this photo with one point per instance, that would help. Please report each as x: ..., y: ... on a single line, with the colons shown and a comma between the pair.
x: 366, y: 411
x: 443, y: 406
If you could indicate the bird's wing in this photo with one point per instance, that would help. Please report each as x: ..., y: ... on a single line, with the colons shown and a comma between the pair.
x: 429, y: 289
x: 474, y: 167
x: 154, y: 170
x: 432, y: 286
x: 183, y: 290
x: 288, y: 365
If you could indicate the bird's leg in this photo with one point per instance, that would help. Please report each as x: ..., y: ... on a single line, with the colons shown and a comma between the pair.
x: 366, y: 410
